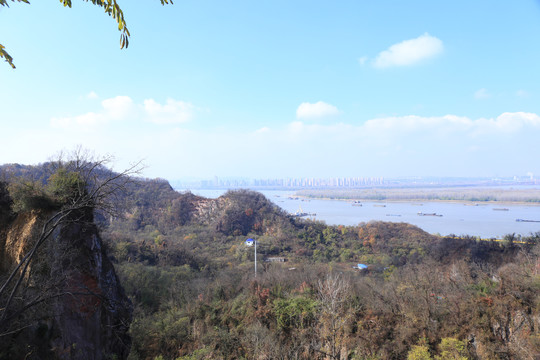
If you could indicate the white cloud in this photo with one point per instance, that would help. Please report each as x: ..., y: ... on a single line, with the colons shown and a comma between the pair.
x: 118, y: 108
x: 122, y: 108
x: 414, y: 145
x: 413, y: 123
x: 362, y: 60
x: 508, y: 123
x: 173, y: 112
x: 84, y: 122
x: 316, y: 110
x: 482, y: 94
x: 447, y: 125
x: 113, y: 109
x: 409, y: 52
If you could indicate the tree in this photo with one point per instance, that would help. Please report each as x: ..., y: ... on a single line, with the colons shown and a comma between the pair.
x: 111, y: 8
x: 452, y: 349
x: 419, y: 352
x: 5, y: 203
x: 78, y: 187
x: 333, y: 294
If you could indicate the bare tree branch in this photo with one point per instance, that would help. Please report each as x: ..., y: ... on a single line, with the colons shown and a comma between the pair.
x: 82, y: 184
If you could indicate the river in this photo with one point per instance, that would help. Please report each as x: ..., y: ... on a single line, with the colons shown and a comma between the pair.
x: 475, y: 219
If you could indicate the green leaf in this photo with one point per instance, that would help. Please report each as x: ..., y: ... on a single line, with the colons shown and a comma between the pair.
x: 4, y: 54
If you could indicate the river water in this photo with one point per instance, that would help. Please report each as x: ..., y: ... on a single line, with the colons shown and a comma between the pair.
x: 475, y: 219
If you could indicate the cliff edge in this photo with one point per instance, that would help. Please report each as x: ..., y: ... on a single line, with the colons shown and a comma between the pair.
x: 71, y: 304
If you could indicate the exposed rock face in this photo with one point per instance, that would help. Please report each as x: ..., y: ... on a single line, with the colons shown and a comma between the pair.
x: 208, y: 211
x: 86, y: 314
x: 5, y: 215
x: 18, y: 238
x: 238, y: 212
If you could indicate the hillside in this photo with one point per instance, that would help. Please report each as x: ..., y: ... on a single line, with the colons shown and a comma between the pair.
x: 191, y: 276
x: 183, y: 262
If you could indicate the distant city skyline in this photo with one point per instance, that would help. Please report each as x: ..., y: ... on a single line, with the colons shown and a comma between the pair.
x: 347, y: 182
x: 278, y: 89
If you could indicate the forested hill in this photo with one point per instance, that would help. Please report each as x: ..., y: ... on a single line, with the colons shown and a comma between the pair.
x: 185, y: 266
x: 155, y: 203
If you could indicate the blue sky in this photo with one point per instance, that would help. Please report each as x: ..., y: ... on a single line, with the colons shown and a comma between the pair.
x: 267, y: 89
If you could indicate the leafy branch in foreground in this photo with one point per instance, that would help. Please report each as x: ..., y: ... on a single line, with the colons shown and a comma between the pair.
x: 4, y: 54
x: 111, y: 8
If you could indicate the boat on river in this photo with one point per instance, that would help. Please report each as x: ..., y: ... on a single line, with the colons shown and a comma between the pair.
x: 429, y: 214
x: 302, y: 213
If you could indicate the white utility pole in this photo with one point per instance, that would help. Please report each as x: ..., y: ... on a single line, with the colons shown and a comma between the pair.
x: 255, y: 258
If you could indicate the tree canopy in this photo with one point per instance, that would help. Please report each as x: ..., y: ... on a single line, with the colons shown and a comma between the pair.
x: 111, y: 8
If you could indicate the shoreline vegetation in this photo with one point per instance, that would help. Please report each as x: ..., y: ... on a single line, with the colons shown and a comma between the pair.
x: 475, y: 196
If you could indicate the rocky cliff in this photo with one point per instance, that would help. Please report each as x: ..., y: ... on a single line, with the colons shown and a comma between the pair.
x: 71, y: 304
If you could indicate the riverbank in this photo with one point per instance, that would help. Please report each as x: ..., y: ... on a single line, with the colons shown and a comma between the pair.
x: 421, y: 202
x: 467, y: 196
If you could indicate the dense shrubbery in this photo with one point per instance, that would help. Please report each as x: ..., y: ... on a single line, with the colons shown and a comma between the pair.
x: 48, y: 193
x: 466, y: 309
x: 30, y: 195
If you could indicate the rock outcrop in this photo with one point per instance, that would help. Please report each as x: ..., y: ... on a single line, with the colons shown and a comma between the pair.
x: 80, y: 310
